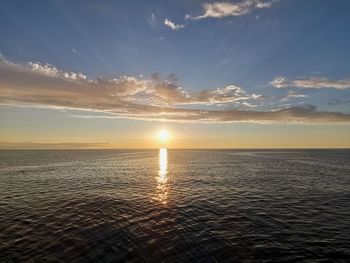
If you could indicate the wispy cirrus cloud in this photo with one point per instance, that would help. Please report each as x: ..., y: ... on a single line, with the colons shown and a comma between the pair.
x: 220, y: 10
x: 291, y: 95
x: 311, y: 83
x: 152, y: 20
x: 225, y: 9
x: 172, y: 25
x: 130, y: 97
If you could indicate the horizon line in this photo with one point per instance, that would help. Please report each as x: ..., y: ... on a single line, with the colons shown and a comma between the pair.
x: 157, y: 148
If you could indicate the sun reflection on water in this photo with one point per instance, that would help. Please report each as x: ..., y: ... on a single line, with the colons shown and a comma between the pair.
x: 162, y: 186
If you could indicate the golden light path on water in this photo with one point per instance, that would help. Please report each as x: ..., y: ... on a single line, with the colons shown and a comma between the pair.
x: 162, y: 186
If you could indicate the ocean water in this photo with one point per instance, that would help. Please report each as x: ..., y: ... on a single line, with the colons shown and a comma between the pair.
x: 175, y: 206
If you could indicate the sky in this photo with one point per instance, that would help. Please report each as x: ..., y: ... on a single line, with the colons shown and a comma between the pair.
x: 215, y: 74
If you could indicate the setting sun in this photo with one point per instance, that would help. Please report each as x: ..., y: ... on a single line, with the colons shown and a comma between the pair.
x: 163, y: 135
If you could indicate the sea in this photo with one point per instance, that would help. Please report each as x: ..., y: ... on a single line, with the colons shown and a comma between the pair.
x: 166, y: 205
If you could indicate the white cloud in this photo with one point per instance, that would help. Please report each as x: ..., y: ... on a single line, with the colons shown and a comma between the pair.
x: 130, y: 97
x: 225, y: 9
x: 157, y: 91
x: 291, y: 95
x: 311, y: 83
x: 152, y: 20
x: 172, y: 25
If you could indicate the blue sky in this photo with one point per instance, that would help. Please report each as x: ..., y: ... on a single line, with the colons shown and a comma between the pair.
x: 293, y: 38
x: 273, y: 55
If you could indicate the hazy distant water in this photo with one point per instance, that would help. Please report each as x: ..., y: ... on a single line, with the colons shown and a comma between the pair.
x: 175, y: 205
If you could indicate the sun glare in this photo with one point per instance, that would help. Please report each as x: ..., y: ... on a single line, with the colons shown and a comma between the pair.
x: 163, y: 136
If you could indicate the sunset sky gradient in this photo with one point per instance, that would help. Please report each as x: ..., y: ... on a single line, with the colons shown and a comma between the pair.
x: 215, y: 74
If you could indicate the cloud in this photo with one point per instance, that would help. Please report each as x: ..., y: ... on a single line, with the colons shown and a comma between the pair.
x: 335, y: 102
x: 43, y: 80
x: 172, y: 25
x: 291, y: 95
x: 156, y: 98
x: 152, y: 20
x: 38, y: 145
x: 225, y: 9
x: 311, y: 83
x: 300, y: 114
x: 228, y: 94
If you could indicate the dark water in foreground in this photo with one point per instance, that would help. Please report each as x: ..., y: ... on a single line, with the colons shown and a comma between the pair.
x: 175, y: 205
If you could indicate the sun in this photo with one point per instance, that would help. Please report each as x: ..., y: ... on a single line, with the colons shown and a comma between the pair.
x: 163, y: 135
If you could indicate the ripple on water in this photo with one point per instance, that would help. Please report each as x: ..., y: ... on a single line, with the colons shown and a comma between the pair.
x: 174, y: 206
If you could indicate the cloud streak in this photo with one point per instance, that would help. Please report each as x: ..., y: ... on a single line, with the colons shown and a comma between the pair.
x: 225, y: 9
x: 311, y: 83
x: 157, y: 98
x: 63, y: 145
x: 172, y: 25
x: 152, y: 20
x: 292, y: 95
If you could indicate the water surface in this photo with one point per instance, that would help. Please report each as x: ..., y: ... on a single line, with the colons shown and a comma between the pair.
x: 175, y: 205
